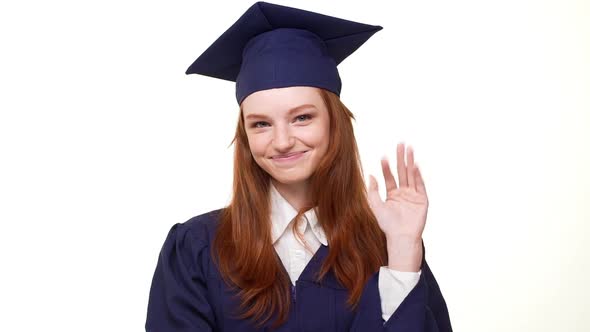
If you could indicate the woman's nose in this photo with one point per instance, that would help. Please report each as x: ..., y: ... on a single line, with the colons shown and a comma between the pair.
x: 283, y: 139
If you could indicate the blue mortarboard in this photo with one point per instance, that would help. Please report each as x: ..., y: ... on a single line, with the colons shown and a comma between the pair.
x: 273, y: 46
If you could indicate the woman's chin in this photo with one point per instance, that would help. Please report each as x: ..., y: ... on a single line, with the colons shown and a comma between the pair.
x: 290, y: 179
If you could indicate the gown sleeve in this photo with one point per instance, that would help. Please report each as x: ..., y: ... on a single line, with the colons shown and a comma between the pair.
x: 178, y: 298
x: 422, y: 310
x: 394, y: 286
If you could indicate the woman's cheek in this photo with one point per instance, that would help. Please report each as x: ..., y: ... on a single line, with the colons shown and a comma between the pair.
x: 258, y: 146
x: 312, y: 137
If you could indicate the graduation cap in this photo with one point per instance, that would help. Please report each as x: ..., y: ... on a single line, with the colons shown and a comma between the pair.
x: 273, y: 46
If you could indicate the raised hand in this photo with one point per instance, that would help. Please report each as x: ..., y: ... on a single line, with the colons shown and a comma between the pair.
x: 402, y: 216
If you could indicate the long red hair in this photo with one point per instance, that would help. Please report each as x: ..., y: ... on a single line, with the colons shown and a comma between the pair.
x: 243, y: 249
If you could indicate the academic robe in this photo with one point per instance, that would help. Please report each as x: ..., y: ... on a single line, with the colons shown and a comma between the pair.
x: 188, y: 294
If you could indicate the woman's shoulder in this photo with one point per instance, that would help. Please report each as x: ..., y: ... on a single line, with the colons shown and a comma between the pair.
x: 184, y: 264
x: 188, y: 244
x: 201, y: 227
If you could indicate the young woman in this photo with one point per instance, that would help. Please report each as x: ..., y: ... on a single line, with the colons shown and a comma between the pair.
x: 303, y: 245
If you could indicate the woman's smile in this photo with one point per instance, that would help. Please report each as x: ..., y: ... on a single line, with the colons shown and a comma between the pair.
x: 289, y: 158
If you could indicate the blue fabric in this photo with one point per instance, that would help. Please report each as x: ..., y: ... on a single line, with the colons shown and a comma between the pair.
x: 274, y: 46
x: 286, y: 57
x: 188, y: 294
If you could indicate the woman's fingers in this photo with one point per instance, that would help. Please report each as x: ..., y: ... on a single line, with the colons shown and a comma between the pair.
x: 373, y: 192
x: 401, y: 166
x: 390, y: 184
x: 411, y: 169
x: 420, y: 187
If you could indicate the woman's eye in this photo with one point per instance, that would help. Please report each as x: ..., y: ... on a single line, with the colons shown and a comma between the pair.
x: 303, y: 117
x: 261, y: 124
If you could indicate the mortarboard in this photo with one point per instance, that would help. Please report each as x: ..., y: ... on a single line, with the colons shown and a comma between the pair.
x: 273, y: 46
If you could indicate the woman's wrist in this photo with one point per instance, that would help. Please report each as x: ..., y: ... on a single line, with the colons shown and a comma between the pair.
x: 404, y: 254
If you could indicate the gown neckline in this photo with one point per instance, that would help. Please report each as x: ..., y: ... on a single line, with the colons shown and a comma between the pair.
x: 311, y: 267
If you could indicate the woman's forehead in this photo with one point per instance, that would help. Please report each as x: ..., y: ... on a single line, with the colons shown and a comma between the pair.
x: 282, y: 99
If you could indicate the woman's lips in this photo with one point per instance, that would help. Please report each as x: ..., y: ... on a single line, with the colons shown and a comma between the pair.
x: 292, y: 157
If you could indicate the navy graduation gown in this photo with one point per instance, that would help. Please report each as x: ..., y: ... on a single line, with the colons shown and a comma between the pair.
x: 188, y: 294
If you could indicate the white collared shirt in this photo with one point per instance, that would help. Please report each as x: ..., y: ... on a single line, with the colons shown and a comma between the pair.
x: 394, y: 285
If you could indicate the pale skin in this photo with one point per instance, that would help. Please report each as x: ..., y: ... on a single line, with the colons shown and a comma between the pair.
x: 274, y: 130
x: 402, y: 216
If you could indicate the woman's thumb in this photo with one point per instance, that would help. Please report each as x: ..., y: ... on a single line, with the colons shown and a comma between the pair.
x: 373, y: 190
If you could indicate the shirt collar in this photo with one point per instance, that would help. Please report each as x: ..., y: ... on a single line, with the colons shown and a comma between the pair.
x: 282, y: 213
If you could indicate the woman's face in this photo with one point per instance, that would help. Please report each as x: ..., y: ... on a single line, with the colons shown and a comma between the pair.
x: 288, y: 131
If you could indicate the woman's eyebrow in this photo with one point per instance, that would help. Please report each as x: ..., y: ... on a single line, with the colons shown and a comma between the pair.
x: 293, y: 110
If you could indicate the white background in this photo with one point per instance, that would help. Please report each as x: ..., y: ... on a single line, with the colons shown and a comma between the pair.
x: 105, y: 143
